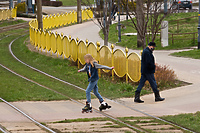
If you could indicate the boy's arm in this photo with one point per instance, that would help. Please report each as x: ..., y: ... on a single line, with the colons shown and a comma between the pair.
x: 98, y: 66
x: 84, y: 69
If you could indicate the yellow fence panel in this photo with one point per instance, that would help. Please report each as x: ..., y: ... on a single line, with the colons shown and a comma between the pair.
x: 73, y: 50
x: 53, y: 43
x: 59, y: 45
x: 36, y: 38
x: 92, y: 49
x: 119, y: 63
x: 1, y: 14
x: 105, y: 57
x: 82, y: 50
x: 14, y: 12
x: 66, y: 47
x: 7, y: 14
x: 4, y: 17
x: 31, y: 35
x: 124, y: 64
x: 39, y: 39
x: 65, y: 19
x: 43, y: 40
x: 48, y: 41
x: 134, y: 67
x: 44, y: 20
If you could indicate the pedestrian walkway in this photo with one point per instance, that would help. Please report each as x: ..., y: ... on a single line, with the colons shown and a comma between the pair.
x: 179, y: 100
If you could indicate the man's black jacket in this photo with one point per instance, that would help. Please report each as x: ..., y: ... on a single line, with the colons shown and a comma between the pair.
x: 147, y: 62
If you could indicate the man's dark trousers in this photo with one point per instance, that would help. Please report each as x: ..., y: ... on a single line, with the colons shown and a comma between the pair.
x: 152, y: 81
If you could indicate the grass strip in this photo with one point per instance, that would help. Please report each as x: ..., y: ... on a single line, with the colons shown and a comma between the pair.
x: 190, y: 121
x: 195, y: 54
x: 10, y: 22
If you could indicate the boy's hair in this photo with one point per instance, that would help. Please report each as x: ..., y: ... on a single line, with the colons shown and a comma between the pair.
x: 90, y: 58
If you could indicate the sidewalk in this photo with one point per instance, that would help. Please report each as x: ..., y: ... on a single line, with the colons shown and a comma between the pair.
x: 179, y: 100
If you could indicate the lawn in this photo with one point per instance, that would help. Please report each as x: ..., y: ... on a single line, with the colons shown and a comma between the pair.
x: 10, y: 22
x: 15, y: 89
x: 195, y: 54
x: 74, y: 2
x: 190, y: 121
x: 62, y: 69
x: 187, y: 25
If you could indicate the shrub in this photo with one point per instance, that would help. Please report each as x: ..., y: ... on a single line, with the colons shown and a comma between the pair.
x: 21, y: 7
x: 165, y: 76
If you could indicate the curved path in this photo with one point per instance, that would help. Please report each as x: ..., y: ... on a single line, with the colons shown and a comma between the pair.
x: 178, y: 100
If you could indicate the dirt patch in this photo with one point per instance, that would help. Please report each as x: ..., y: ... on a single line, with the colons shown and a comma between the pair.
x: 43, y: 52
x: 93, y: 126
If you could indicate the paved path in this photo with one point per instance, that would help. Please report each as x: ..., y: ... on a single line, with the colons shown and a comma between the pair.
x: 62, y: 9
x: 179, y: 100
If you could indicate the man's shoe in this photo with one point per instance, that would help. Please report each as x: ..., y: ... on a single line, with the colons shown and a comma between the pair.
x: 137, y: 98
x: 158, y: 98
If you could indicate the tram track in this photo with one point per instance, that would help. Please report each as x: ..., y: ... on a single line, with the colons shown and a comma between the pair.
x: 3, y: 130
x: 134, y: 109
x: 14, y: 27
x: 73, y: 100
x: 78, y: 102
x: 24, y: 114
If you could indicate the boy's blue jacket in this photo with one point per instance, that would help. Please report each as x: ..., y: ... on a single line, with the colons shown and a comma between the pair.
x: 93, y: 71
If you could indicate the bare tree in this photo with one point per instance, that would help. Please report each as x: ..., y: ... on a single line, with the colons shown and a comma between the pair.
x: 103, y: 12
x: 146, y: 15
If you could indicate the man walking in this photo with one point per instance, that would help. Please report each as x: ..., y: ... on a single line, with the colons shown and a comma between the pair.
x: 147, y: 70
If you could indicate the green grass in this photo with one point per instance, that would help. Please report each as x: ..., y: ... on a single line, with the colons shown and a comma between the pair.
x: 188, y: 25
x: 83, y: 120
x: 14, y: 88
x: 73, y: 2
x: 64, y: 70
x: 195, y: 54
x: 12, y: 22
x: 190, y: 121
x: 15, y: 91
x: 60, y: 68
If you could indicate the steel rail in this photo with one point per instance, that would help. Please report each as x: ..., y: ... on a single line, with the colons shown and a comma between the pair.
x: 10, y: 49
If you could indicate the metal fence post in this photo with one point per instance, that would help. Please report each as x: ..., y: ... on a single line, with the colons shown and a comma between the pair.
x: 126, y: 50
x: 172, y: 39
x: 77, y: 40
x: 98, y: 56
x: 62, y: 39
x: 112, y: 47
x: 87, y: 41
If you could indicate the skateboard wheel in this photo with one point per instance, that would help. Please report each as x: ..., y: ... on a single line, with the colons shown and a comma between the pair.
x: 82, y: 111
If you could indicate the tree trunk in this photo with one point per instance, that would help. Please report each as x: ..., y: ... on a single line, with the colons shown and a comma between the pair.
x: 105, y: 37
x: 140, y: 22
x: 39, y: 14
